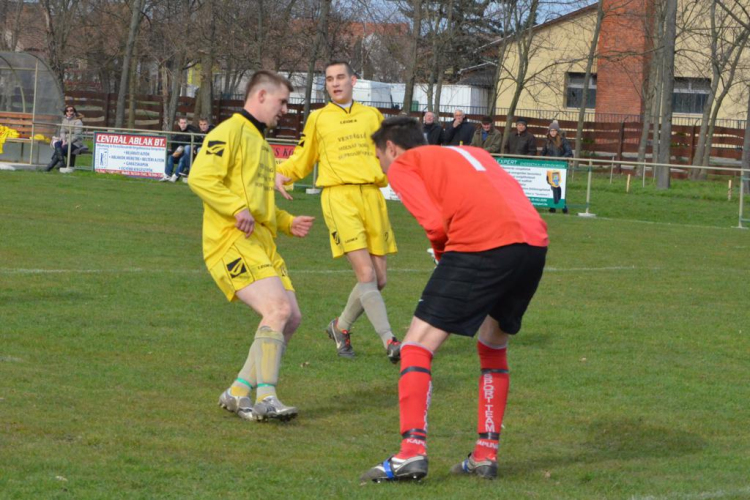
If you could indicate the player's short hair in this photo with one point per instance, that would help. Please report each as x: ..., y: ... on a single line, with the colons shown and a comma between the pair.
x: 403, y: 131
x: 265, y: 77
x: 203, y: 119
x: 336, y: 62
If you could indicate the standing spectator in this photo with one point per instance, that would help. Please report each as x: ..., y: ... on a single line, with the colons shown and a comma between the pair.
x: 556, y: 146
x: 69, y: 138
x: 521, y: 142
x: 488, y: 137
x: 459, y: 132
x: 433, y: 132
x: 179, y: 151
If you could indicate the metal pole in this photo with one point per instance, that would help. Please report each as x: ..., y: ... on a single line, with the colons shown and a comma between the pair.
x: 611, y: 171
x: 742, y: 197
x: 33, y: 113
x: 588, y: 193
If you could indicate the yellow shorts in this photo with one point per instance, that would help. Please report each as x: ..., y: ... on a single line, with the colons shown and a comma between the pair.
x: 249, y: 260
x: 357, y: 218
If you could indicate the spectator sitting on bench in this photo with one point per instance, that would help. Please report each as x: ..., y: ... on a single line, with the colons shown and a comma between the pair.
x: 204, y: 128
x: 69, y: 137
x: 179, y: 151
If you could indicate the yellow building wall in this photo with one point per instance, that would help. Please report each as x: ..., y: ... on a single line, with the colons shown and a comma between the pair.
x: 562, y: 47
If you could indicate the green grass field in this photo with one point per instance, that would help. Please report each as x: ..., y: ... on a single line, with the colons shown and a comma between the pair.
x: 629, y: 379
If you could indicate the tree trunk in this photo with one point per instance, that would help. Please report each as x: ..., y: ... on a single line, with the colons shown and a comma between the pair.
x: 122, y: 91
x: 133, y: 88
x: 746, y: 149
x: 525, y: 37
x: 411, y: 71
x: 665, y: 137
x: 325, y: 7
x: 589, y: 66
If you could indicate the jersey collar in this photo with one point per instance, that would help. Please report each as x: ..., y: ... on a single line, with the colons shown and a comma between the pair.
x: 349, y: 110
x: 259, y: 125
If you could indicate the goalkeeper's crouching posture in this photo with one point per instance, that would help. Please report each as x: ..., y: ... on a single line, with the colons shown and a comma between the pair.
x: 491, y: 245
x: 234, y: 176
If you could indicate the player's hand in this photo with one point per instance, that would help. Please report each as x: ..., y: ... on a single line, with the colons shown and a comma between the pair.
x: 301, y: 225
x: 280, y: 181
x: 245, y: 222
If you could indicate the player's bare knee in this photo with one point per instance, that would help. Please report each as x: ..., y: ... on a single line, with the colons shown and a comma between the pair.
x: 366, y: 274
x: 279, y: 311
x: 295, y: 319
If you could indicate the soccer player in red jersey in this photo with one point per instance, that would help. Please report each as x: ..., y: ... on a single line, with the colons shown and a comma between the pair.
x: 491, y: 245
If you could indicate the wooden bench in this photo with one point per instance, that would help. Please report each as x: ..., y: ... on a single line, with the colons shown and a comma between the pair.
x: 25, y: 124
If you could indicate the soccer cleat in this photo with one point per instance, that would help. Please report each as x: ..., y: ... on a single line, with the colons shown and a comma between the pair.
x: 397, y: 469
x: 67, y: 170
x: 393, y: 351
x: 271, y: 407
x: 341, y: 337
x: 241, y: 405
x: 483, y: 468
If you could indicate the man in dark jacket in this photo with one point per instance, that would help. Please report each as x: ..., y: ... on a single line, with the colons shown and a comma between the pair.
x: 521, y: 141
x: 433, y: 132
x: 460, y: 132
x: 179, y: 151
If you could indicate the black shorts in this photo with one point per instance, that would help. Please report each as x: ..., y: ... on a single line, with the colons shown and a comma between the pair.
x: 466, y: 287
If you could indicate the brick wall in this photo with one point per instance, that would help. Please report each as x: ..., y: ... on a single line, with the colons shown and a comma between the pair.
x: 622, y: 63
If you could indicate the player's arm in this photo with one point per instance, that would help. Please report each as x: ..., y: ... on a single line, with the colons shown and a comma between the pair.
x: 413, y: 193
x: 302, y: 161
x: 293, y: 225
x: 209, y: 170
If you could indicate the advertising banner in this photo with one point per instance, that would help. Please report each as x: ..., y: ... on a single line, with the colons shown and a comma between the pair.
x: 131, y: 155
x: 543, y: 181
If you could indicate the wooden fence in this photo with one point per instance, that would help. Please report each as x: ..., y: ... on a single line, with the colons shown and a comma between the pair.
x: 617, y: 140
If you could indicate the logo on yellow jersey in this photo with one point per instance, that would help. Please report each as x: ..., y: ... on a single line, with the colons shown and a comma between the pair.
x: 236, y: 268
x: 216, y: 148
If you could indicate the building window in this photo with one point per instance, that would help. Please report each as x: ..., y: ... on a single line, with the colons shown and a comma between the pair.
x: 690, y: 94
x: 574, y: 91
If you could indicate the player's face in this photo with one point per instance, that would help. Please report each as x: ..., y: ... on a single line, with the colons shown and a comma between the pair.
x: 274, y: 103
x: 182, y: 123
x: 203, y: 125
x: 339, y: 83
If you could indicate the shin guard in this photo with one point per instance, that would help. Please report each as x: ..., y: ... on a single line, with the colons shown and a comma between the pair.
x: 493, y: 395
x: 414, y: 393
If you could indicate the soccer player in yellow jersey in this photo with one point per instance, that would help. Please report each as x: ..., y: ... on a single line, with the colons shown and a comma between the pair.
x: 234, y: 176
x: 337, y: 138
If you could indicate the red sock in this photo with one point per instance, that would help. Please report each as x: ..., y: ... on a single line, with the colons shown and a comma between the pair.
x: 414, y: 390
x: 493, y: 395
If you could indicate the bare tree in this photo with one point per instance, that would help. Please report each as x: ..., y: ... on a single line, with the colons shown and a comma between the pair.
x: 665, y: 137
x: 320, y: 35
x: 59, y: 17
x: 135, y: 22
x: 587, y: 77
x: 523, y: 41
x: 411, y: 69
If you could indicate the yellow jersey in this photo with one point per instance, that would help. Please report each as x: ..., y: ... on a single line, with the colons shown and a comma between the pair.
x: 338, y: 139
x: 235, y: 169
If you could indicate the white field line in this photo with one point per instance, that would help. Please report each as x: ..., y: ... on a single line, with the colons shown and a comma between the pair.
x: 705, y: 495
x: 137, y: 270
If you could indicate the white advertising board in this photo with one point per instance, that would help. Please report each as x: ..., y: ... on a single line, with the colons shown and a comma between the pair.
x: 131, y: 155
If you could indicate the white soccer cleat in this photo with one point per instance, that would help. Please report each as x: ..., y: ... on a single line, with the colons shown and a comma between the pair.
x: 241, y: 405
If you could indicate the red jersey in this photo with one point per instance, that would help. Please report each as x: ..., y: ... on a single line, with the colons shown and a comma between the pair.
x: 464, y: 200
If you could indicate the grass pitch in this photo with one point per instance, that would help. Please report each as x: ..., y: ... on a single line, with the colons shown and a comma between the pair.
x: 629, y: 379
